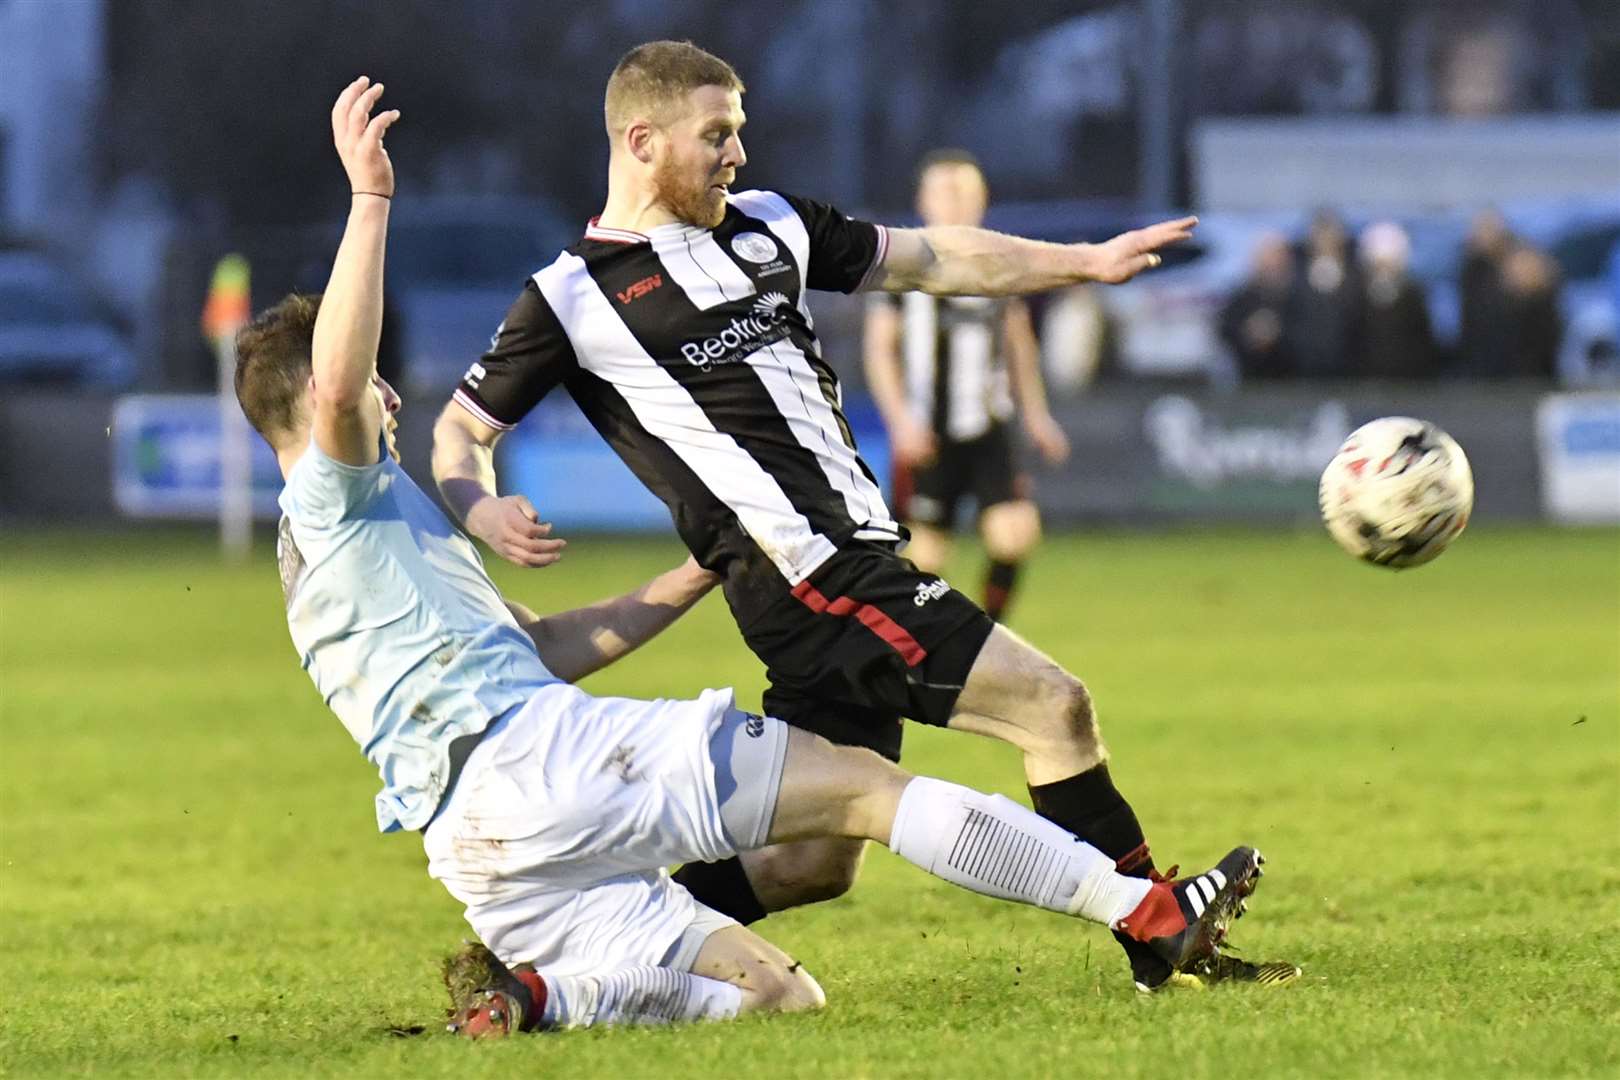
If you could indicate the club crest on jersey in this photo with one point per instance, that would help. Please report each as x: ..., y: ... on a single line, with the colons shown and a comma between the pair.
x: 754, y: 247
x: 763, y: 324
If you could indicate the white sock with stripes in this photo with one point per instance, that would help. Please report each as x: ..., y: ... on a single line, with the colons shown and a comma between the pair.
x: 637, y: 995
x: 990, y: 844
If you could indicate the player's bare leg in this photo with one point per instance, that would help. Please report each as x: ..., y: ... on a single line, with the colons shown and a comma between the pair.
x: 993, y: 846
x: 735, y: 972
x: 803, y: 872
x: 770, y: 979
x: 929, y: 547
x: 1010, y: 532
x: 1018, y: 694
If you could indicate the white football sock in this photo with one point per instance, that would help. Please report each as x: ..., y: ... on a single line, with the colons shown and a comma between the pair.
x: 990, y: 844
x: 637, y: 995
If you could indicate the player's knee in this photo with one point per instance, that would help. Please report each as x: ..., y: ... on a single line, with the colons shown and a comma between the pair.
x: 828, y: 879
x: 806, y: 873
x: 1072, y: 718
x: 790, y: 990
x: 1011, y: 531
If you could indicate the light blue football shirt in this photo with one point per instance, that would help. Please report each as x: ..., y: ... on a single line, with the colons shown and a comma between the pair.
x: 394, y: 618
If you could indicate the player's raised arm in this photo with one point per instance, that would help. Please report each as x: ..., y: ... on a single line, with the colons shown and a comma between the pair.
x: 573, y: 644
x: 344, y: 352
x: 958, y: 260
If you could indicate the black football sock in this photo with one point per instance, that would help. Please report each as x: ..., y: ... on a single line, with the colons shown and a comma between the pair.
x: 723, y: 886
x: 1090, y: 806
x: 998, y: 587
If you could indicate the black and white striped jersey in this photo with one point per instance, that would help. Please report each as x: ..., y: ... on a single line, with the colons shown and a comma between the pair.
x: 951, y: 353
x: 693, y: 353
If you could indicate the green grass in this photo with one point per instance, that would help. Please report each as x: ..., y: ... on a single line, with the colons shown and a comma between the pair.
x: 192, y: 884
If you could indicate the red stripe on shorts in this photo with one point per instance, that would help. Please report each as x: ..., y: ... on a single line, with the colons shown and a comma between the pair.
x: 897, y: 637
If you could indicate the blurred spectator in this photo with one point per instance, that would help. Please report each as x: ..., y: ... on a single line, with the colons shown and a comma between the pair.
x: 1254, y: 320
x: 1325, y: 316
x: 1511, y: 324
x: 1396, y: 340
x: 1482, y: 344
x: 1533, y: 325
x: 1480, y: 75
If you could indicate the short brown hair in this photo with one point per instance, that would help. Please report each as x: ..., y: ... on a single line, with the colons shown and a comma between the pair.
x: 651, y: 79
x: 273, y: 364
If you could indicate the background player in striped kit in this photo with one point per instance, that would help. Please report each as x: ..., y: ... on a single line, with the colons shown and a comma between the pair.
x: 679, y: 325
x: 944, y: 372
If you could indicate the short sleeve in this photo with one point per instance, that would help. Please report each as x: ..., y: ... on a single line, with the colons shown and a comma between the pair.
x: 529, y: 354
x: 323, y: 491
x: 844, y: 251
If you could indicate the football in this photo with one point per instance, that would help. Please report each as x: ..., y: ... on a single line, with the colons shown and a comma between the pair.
x: 1397, y: 493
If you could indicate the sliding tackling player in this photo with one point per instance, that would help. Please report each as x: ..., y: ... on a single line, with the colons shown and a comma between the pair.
x: 680, y: 326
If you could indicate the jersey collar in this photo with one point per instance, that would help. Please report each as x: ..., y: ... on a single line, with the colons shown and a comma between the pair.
x: 593, y: 231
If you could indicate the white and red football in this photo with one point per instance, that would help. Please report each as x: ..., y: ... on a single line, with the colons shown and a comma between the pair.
x: 1397, y: 493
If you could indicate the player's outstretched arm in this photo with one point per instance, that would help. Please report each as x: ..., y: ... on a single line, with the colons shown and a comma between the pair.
x: 464, y: 469
x: 344, y: 352
x: 957, y: 260
x: 573, y: 644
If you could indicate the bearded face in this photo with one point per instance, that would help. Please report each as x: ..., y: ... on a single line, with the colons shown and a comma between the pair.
x: 694, y: 190
x: 697, y: 154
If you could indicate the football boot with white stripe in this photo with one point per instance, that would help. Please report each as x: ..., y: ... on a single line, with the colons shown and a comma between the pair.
x: 1184, y: 922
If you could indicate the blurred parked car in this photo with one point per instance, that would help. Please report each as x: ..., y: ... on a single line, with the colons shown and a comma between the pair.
x: 455, y: 266
x: 54, y: 330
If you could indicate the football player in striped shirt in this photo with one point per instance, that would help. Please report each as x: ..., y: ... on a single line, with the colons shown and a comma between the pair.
x: 679, y: 325
x: 945, y: 372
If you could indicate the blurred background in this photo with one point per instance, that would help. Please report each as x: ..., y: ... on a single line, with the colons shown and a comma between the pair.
x: 1408, y: 207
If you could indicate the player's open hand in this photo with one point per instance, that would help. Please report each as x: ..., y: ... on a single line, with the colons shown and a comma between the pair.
x: 358, y: 137
x: 914, y: 446
x: 512, y: 528
x: 1128, y: 254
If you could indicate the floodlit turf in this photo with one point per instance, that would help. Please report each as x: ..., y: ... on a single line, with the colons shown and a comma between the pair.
x: 192, y: 883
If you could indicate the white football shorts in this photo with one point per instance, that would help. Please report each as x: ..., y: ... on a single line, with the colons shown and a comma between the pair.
x: 558, y: 835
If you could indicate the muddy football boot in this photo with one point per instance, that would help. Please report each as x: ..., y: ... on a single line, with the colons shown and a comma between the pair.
x: 1184, y: 922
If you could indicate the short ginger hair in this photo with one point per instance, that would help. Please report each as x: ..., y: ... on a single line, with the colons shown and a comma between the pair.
x: 651, y: 81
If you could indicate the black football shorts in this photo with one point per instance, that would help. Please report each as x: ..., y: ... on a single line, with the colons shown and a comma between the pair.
x: 985, y: 468
x: 864, y: 641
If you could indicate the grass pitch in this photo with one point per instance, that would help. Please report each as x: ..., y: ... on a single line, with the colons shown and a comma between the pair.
x: 192, y: 885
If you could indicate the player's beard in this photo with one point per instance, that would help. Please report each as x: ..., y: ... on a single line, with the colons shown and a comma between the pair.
x: 691, y: 199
